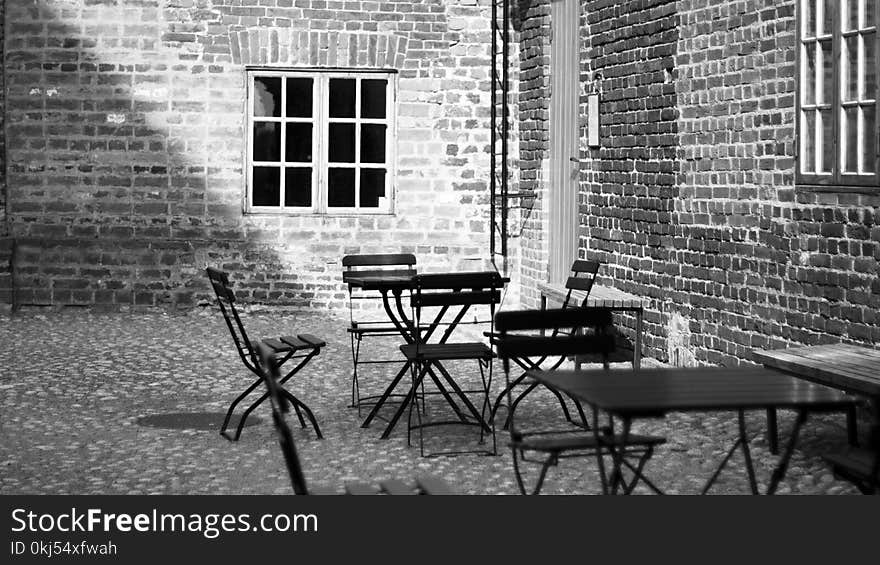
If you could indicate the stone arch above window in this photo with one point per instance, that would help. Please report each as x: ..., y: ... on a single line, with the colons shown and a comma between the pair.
x: 317, y: 48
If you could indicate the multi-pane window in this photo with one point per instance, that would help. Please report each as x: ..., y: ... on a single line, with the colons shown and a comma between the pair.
x: 320, y: 142
x: 838, y: 98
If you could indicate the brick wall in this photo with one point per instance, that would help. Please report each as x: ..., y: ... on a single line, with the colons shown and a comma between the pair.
x: 3, y: 228
x: 5, y: 242
x: 533, y: 20
x: 126, y: 130
x: 761, y: 262
x: 691, y: 200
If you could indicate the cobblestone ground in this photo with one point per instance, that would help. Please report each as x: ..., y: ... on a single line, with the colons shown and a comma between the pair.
x: 77, y: 390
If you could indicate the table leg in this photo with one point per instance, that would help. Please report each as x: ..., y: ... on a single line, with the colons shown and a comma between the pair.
x: 637, y: 354
x: 772, y: 431
x: 385, y: 395
x: 782, y: 467
x: 600, y: 456
x: 852, y: 427
x: 747, y: 454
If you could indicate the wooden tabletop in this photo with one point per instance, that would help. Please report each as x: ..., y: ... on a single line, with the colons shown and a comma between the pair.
x: 850, y: 367
x: 602, y: 296
x: 656, y: 391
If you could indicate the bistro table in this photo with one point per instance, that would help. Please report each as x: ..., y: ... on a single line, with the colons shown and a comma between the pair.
x: 604, y: 297
x: 652, y: 393
x: 396, y: 285
x: 852, y: 368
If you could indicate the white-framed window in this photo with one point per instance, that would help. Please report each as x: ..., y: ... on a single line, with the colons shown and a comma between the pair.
x: 838, y: 93
x: 320, y: 142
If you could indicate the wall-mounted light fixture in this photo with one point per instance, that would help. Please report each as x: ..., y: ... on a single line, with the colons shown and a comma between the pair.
x: 593, y: 99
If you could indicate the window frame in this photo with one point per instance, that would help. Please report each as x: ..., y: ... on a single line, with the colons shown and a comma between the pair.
x: 836, y: 180
x: 320, y: 145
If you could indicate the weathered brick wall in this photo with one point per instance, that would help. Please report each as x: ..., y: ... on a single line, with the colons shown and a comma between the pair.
x: 6, y: 246
x: 759, y: 262
x: 3, y: 227
x: 629, y: 182
x: 691, y: 200
x: 126, y: 131
x: 533, y: 21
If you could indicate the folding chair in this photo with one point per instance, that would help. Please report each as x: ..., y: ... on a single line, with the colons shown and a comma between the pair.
x: 397, y: 264
x: 583, y: 274
x: 575, y: 331
x: 279, y: 402
x: 453, y: 294
x: 302, y: 348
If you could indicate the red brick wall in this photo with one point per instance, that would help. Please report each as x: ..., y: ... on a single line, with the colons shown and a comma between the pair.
x: 691, y: 199
x: 533, y: 19
x: 5, y: 242
x: 3, y: 227
x: 759, y: 261
x: 126, y: 129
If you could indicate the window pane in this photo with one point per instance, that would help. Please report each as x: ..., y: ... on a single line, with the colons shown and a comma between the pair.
x: 267, y: 96
x: 827, y: 58
x: 850, y: 12
x: 267, y: 141
x: 342, y: 92
x: 870, y: 13
x: 373, y: 98
x: 372, y: 187
x: 850, y: 71
x: 870, y: 92
x: 266, y: 186
x: 808, y: 133
x: 341, y: 143
x: 827, y: 162
x: 373, y: 143
x: 809, y: 18
x: 809, y: 76
x: 828, y: 16
x: 299, y: 143
x: 299, y: 97
x: 869, y: 156
x: 850, y: 136
x: 340, y: 188
x: 298, y: 186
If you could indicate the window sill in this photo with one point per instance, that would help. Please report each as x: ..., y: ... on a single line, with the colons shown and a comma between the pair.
x: 346, y: 214
x: 838, y: 189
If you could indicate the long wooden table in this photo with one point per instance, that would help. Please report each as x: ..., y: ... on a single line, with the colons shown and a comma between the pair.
x: 651, y: 393
x: 852, y: 368
x: 604, y: 297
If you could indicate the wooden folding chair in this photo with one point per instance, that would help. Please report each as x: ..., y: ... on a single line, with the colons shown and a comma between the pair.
x: 361, y: 326
x: 573, y: 331
x: 581, y: 280
x: 454, y: 294
x: 302, y: 348
x: 279, y: 402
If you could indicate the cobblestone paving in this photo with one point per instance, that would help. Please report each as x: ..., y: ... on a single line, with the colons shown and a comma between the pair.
x: 76, y: 389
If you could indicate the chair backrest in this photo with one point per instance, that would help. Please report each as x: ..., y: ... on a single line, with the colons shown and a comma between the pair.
x: 575, y: 331
x: 378, y: 264
x: 583, y: 275
x: 461, y: 290
x: 280, y: 406
x: 517, y: 338
x: 226, y: 300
